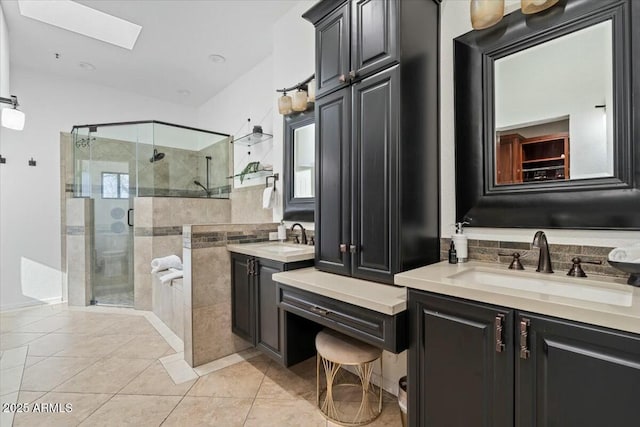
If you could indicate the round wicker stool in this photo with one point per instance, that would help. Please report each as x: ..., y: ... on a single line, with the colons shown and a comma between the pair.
x: 344, y: 401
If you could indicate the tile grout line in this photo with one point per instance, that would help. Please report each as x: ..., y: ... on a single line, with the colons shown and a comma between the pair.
x: 253, y: 401
x: 13, y: 415
x: 98, y: 407
x: 179, y: 402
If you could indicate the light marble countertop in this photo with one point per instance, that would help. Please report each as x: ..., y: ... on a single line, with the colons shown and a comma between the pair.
x: 283, y: 252
x: 387, y: 299
x: 597, y: 300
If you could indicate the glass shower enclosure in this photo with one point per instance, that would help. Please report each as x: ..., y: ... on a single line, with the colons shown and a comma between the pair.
x: 116, y: 162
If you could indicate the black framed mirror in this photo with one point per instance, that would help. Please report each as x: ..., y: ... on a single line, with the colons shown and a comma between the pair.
x: 299, y: 166
x: 582, y: 167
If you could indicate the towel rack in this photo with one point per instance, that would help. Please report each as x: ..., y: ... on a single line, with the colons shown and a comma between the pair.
x: 275, y: 177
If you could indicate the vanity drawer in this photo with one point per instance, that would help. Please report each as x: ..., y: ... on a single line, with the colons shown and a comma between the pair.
x: 381, y: 330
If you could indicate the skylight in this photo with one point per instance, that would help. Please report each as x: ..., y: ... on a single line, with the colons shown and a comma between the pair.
x: 83, y: 20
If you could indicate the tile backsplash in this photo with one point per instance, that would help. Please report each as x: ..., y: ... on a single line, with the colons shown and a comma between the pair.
x: 561, y: 255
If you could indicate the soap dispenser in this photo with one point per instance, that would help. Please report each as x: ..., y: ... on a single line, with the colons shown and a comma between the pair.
x: 460, y: 242
x: 282, y: 231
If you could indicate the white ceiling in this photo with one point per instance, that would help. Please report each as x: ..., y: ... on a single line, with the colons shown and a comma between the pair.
x: 171, y: 54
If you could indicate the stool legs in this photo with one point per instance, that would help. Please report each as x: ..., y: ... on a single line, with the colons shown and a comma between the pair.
x: 364, y: 371
x: 329, y: 405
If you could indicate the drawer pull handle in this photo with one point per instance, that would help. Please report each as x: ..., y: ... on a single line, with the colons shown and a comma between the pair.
x: 524, y: 336
x: 320, y: 311
x: 498, y: 325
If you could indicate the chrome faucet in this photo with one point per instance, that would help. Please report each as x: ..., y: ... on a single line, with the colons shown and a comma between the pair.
x: 544, y: 259
x: 304, y: 233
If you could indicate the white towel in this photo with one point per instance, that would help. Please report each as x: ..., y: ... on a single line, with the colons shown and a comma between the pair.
x: 165, y: 263
x: 626, y: 254
x: 267, y: 198
x: 174, y: 274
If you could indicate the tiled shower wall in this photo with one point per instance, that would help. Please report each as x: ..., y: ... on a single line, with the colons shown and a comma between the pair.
x: 561, y: 255
x: 158, y: 233
x: 207, y: 288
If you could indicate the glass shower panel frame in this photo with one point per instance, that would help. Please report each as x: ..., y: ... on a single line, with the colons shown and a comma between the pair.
x: 113, y: 164
x: 81, y: 140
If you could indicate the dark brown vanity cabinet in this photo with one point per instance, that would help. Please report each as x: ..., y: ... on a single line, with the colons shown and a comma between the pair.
x: 377, y: 200
x: 458, y: 376
x: 255, y: 315
x: 575, y: 374
x: 474, y: 364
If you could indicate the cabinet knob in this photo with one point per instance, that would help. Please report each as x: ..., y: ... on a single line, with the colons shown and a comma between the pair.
x: 352, y: 74
x: 352, y: 249
x: 342, y: 78
x: 343, y: 248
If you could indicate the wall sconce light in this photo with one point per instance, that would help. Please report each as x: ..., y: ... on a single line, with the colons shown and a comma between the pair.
x: 299, y: 100
x: 311, y: 90
x: 12, y: 118
x: 285, y: 104
x: 302, y: 99
x: 534, y: 6
x: 487, y: 13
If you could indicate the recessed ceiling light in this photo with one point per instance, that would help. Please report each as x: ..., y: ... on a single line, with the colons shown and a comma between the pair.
x: 184, y: 92
x: 87, y: 66
x: 84, y: 20
x: 218, y: 59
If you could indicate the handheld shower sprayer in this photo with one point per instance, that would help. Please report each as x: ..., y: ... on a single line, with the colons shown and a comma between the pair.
x: 206, y: 190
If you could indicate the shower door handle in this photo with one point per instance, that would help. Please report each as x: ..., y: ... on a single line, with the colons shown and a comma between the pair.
x: 130, y: 217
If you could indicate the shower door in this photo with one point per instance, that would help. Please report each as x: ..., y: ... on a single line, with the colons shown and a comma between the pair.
x: 107, y: 159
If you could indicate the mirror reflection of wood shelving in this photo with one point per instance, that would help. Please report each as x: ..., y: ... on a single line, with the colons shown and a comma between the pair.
x: 543, y: 158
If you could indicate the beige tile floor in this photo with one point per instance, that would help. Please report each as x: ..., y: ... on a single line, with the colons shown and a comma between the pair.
x: 105, y: 367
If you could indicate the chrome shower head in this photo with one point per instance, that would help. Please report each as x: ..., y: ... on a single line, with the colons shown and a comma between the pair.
x: 156, y: 156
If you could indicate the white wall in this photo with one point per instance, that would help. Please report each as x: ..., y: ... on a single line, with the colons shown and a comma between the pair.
x: 253, y: 96
x: 455, y: 22
x: 294, y: 61
x: 4, y: 57
x: 248, y: 97
x: 30, y: 196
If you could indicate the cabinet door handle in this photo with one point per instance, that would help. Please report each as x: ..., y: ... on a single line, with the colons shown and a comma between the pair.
x: 342, y: 78
x: 524, y: 336
x: 499, y: 320
x: 130, y: 218
x: 256, y: 267
x: 352, y: 75
x: 249, y: 267
x: 352, y: 249
x: 343, y: 248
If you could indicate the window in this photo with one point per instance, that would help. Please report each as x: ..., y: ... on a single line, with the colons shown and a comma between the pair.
x: 115, y: 185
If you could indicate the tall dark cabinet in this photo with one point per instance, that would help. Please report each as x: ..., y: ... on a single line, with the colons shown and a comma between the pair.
x: 376, y: 136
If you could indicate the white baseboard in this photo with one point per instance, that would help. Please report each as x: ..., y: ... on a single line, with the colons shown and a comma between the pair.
x: 46, y: 301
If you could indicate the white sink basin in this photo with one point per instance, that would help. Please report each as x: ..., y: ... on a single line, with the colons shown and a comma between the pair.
x: 281, y: 249
x: 576, y: 288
